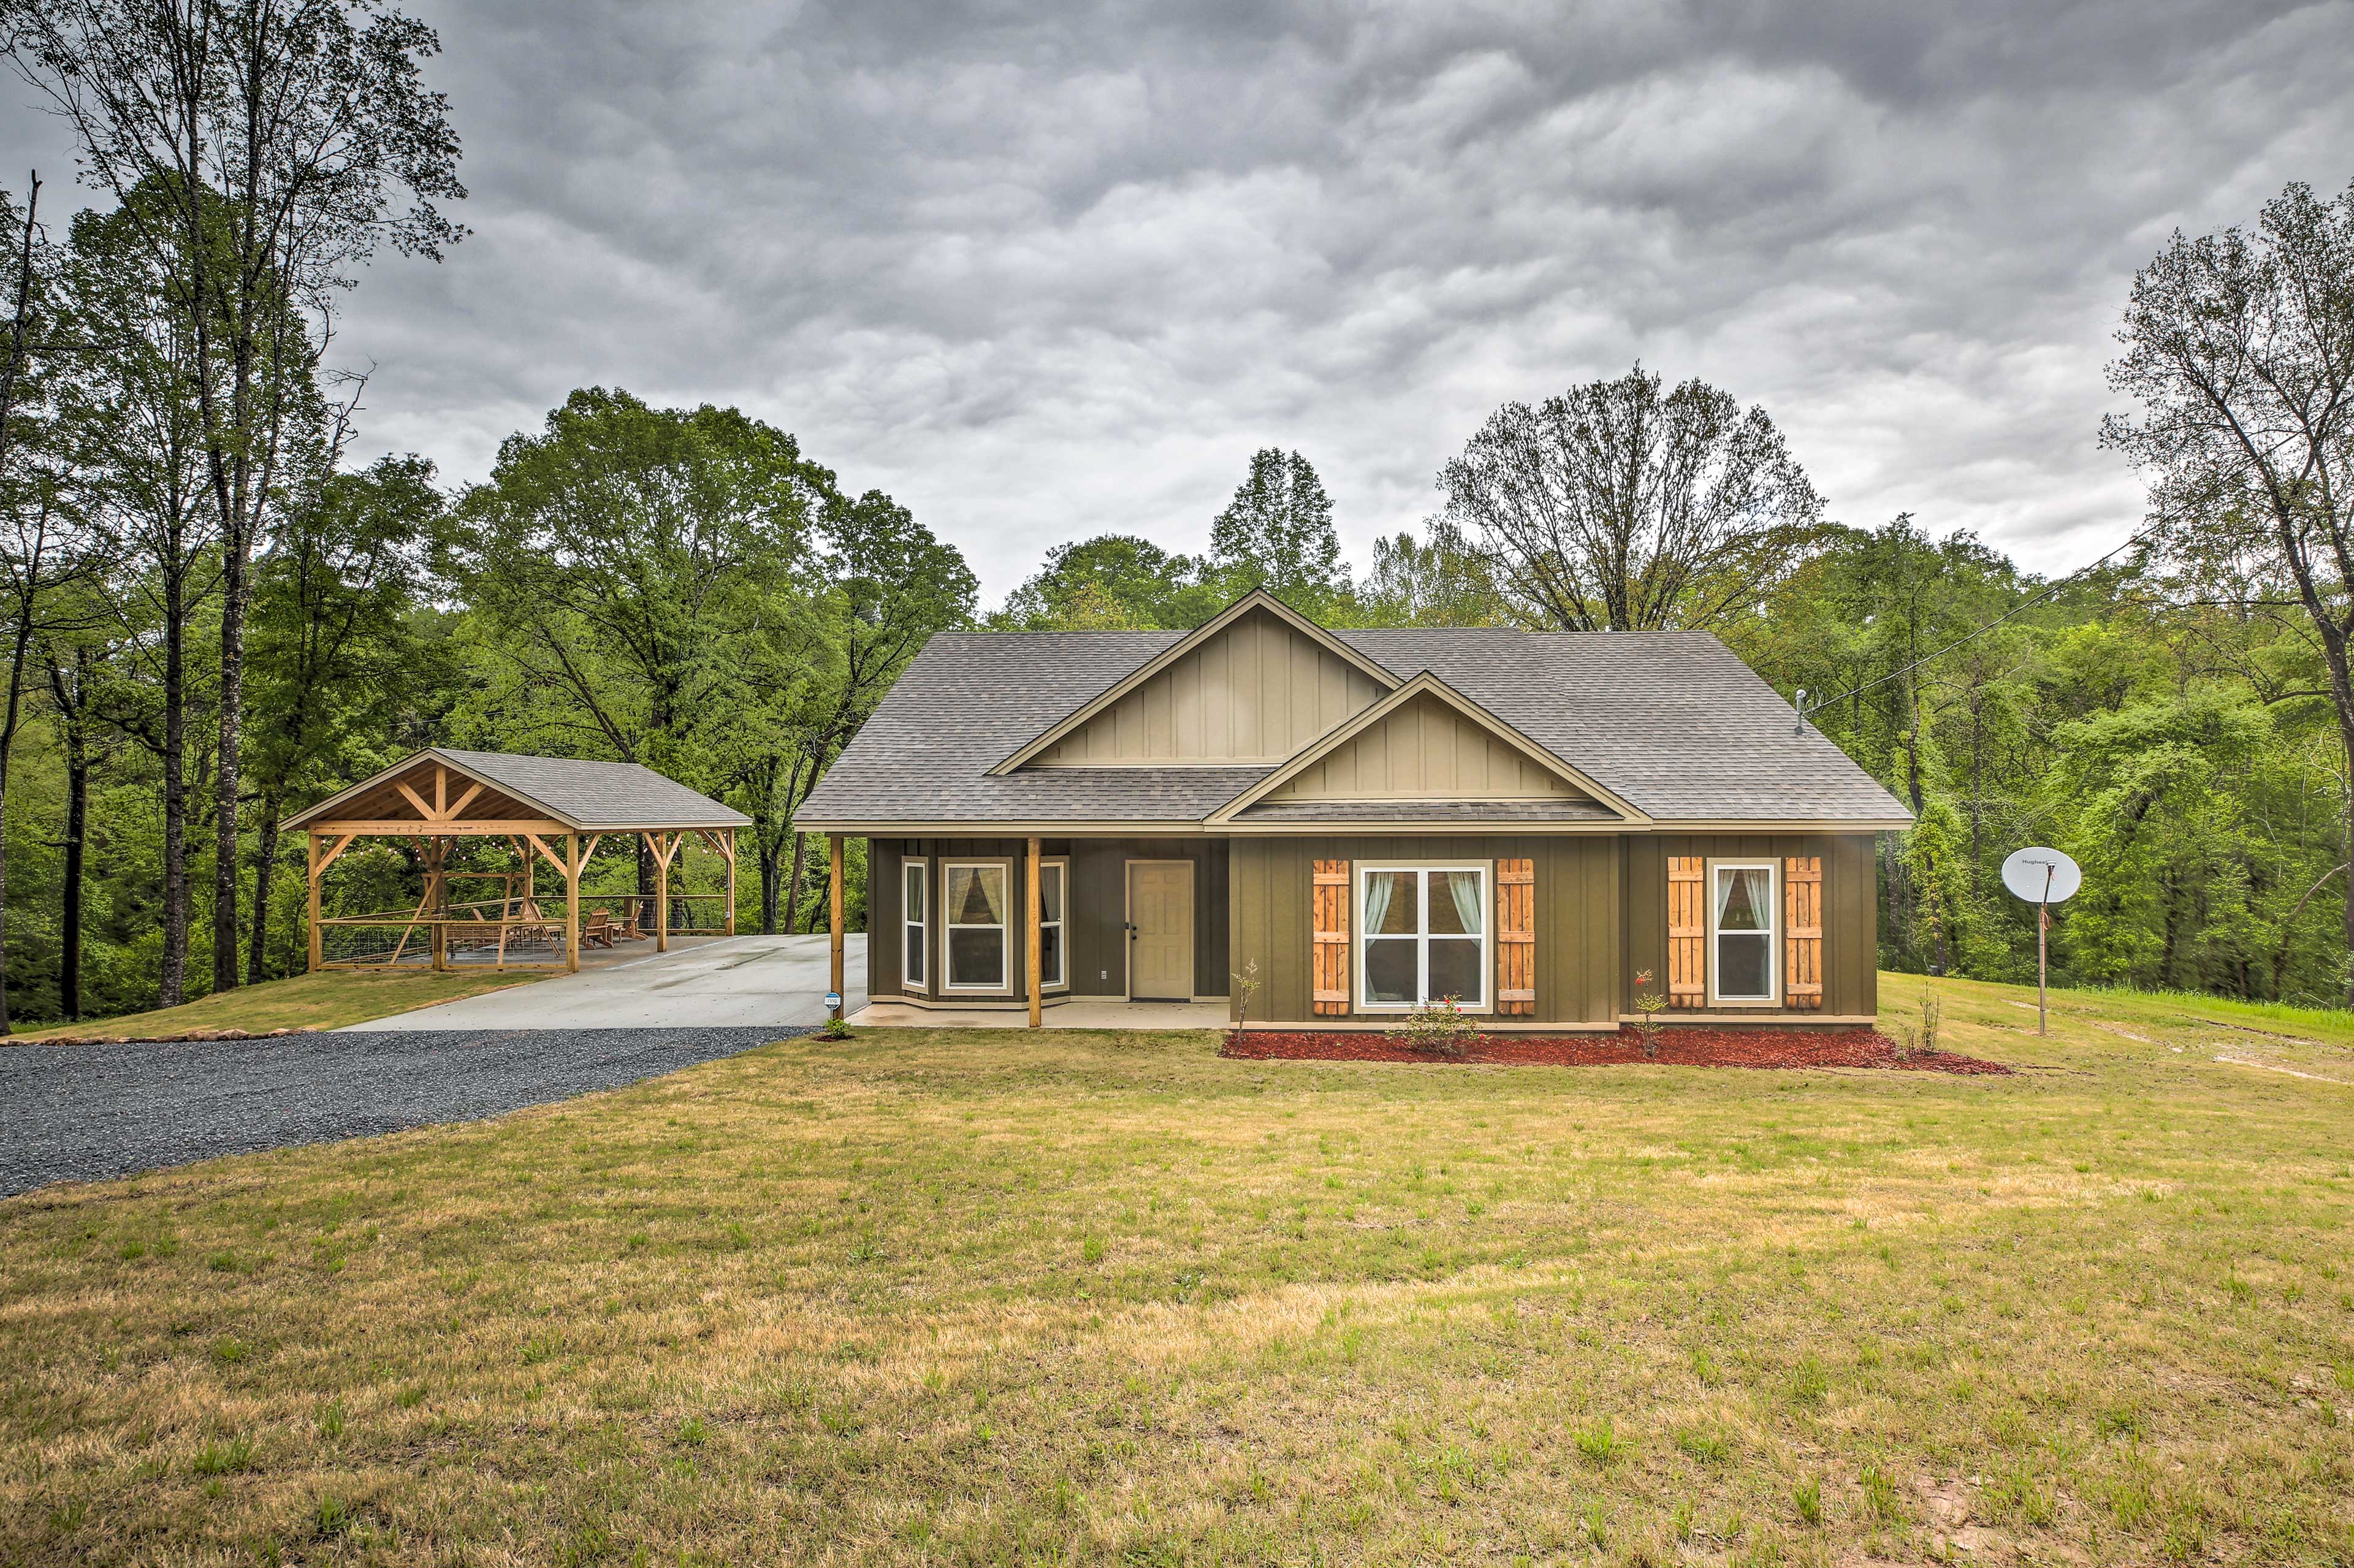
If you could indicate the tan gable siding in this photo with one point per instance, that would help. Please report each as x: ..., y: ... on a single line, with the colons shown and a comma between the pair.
x: 1255, y: 692
x: 1426, y: 750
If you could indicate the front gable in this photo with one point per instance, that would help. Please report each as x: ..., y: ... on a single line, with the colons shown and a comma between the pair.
x: 1426, y: 742
x: 1425, y: 750
x: 1251, y: 687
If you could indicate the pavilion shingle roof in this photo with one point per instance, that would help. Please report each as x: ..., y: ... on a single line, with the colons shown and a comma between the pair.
x: 1672, y: 721
x: 590, y: 796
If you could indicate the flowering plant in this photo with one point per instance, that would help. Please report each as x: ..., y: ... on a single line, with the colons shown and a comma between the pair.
x: 1440, y: 1028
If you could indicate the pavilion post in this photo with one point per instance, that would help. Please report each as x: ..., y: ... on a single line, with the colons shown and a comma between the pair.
x: 318, y: 952
x: 664, y: 846
x: 834, y: 900
x: 437, y: 901
x: 1033, y: 901
x: 731, y: 882
x: 572, y: 903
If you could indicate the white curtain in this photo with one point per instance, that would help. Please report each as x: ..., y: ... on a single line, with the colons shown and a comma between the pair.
x: 1465, y: 886
x: 1378, y: 884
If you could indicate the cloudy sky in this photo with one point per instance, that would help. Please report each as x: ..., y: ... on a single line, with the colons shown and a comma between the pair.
x: 1042, y: 272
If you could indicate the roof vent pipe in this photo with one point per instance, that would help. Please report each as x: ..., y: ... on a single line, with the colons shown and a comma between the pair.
x: 1800, y: 728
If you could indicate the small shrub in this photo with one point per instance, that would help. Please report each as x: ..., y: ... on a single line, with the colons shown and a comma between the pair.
x: 1440, y: 1028
x: 835, y: 1028
x: 1247, y: 984
x: 1650, y: 1004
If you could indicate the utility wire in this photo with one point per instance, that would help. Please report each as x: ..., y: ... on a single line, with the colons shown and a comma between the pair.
x: 2020, y: 609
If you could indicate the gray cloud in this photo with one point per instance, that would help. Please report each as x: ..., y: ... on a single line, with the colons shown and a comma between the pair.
x: 1042, y: 275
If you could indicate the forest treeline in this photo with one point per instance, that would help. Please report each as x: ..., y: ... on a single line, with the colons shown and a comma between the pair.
x: 216, y: 609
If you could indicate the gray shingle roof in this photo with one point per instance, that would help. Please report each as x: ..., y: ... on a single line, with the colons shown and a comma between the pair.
x: 1670, y: 721
x: 591, y: 796
x: 601, y: 794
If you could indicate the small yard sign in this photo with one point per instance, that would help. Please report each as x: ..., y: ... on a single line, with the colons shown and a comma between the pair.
x: 2043, y: 877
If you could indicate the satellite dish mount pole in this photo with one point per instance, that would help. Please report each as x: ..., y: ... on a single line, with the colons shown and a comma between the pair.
x: 2042, y: 927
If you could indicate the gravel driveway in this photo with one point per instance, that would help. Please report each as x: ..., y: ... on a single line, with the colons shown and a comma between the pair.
x: 85, y: 1112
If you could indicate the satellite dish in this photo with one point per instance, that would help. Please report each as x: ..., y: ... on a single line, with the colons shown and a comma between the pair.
x: 2042, y: 875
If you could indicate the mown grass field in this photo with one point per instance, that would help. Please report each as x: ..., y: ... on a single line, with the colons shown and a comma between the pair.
x: 990, y: 1298
x: 328, y: 1000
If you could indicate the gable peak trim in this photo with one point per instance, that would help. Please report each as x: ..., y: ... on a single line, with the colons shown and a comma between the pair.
x: 1256, y: 599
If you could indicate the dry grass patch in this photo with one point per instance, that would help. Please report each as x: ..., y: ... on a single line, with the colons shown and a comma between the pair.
x: 977, y: 1296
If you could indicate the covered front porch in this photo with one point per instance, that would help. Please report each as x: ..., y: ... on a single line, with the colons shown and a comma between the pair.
x: 1076, y: 931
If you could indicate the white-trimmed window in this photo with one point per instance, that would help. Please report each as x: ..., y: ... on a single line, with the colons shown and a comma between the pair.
x: 974, y: 900
x: 1053, y: 921
x: 1741, y: 930
x: 1423, y: 936
x: 911, y: 916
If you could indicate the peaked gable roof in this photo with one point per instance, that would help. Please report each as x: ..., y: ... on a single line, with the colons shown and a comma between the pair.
x: 1671, y: 723
x: 1256, y: 601
x: 1425, y: 685
x: 587, y: 795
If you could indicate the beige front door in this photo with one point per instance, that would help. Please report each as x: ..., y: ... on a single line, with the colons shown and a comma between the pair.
x: 1161, y: 929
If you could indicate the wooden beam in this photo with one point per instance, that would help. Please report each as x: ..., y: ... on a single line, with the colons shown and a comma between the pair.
x: 665, y: 846
x: 730, y: 853
x: 417, y: 801
x: 572, y: 905
x: 462, y: 803
x: 441, y: 791
x: 407, y: 827
x: 335, y: 853
x: 1034, y: 920
x: 437, y: 885
x: 313, y: 871
x: 553, y: 858
x: 834, y: 903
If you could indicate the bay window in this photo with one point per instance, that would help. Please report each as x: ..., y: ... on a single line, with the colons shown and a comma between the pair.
x: 1741, y: 931
x: 972, y: 916
x: 1423, y: 936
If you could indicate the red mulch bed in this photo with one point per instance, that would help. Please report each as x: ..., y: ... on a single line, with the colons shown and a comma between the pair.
x: 1678, y: 1048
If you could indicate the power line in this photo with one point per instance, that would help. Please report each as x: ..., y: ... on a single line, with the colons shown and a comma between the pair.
x: 2021, y: 608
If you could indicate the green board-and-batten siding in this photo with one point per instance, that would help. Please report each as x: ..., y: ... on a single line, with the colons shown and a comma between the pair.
x: 1851, y: 912
x: 1577, y: 924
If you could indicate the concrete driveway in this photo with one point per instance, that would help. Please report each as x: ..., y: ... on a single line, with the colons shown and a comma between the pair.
x: 729, y: 983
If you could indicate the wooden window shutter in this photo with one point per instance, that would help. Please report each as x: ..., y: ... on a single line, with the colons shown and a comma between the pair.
x: 1687, y: 931
x: 1329, y: 931
x: 1516, y: 938
x: 1802, y: 930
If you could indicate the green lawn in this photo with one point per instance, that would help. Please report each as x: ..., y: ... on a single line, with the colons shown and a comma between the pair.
x: 986, y: 1297
x: 328, y: 1000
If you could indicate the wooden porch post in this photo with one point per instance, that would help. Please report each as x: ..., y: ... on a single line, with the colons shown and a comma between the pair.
x: 1035, y: 902
x: 834, y: 903
x: 312, y: 867
x: 572, y: 903
x: 731, y: 882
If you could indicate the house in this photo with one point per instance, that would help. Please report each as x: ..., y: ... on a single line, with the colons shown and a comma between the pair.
x: 1523, y: 821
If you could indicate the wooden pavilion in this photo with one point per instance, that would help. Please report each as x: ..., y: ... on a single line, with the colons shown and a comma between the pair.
x: 551, y: 809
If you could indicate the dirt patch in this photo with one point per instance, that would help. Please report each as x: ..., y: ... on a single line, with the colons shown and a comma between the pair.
x: 1678, y: 1048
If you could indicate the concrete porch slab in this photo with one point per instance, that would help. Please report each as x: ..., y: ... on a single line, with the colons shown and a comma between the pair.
x: 1104, y: 1014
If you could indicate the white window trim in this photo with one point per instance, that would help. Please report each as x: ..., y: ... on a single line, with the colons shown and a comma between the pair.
x: 1005, y: 930
x: 1064, y: 924
x: 1363, y: 937
x: 923, y: 942
x: 1773, y: 997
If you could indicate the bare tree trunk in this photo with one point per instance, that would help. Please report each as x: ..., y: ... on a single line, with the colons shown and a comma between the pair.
x: 77, y: 827
x: 793, y: 902
x: 233, y: 594
x: 265, y: 862
x: 172, y: 975
x: 21, y: 645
